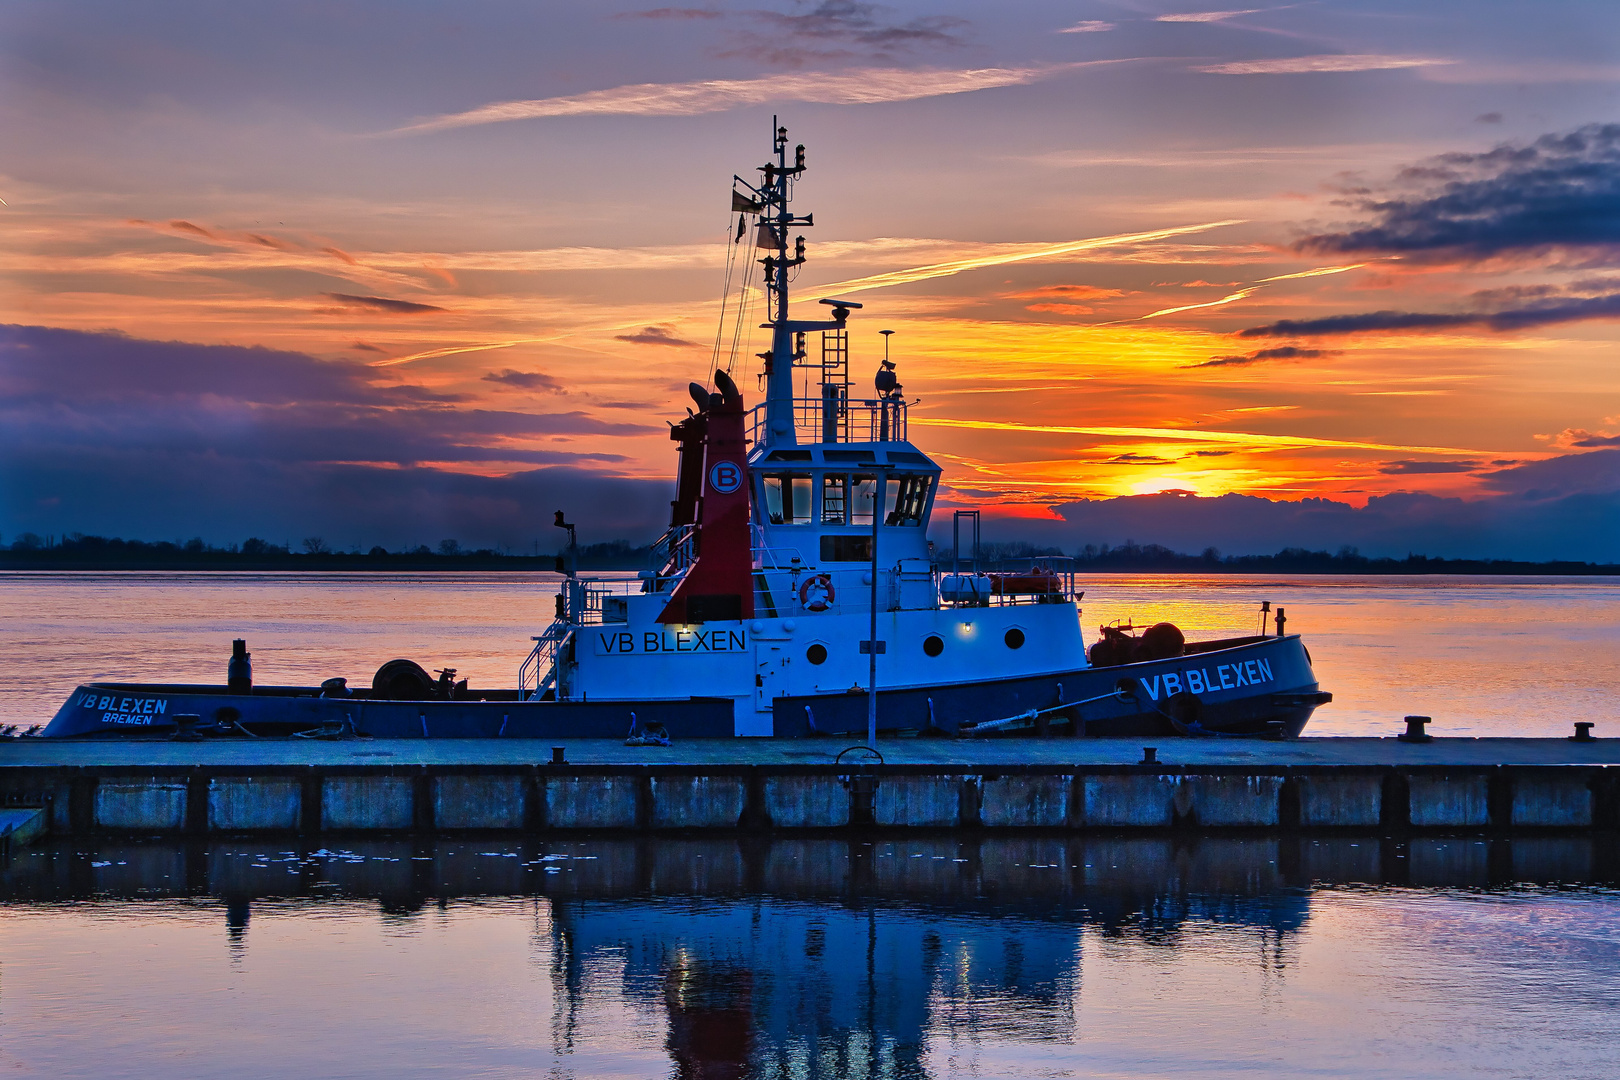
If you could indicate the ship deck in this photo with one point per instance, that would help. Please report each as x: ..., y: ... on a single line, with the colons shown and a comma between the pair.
x: 943, y: 754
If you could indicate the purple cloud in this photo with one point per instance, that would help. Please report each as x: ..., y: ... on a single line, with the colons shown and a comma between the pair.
x: 525, y: 380
x: 656, y: 335
x: 1561, y: 191
x: 381, y: 303
x: 1548, y: 313
x: 1281, y: 352
x: 1424, y: 468
x: 104, y: 433
x: 1563, y: 508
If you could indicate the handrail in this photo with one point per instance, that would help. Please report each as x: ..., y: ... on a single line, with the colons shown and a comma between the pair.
x: 856, y: 420
x: 674, y: 552
x: 542, y: 663
x: 1001, y: 585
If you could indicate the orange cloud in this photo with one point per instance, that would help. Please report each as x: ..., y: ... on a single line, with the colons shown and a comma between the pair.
x: 1071, y: 292
x: 441, y: 273
x: 1580, y: 438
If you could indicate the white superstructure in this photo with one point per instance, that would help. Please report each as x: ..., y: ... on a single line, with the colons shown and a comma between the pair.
x: 836, y: 501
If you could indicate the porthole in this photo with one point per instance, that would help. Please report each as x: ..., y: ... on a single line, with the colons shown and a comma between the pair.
x: 1014, y: 638
x: 933, y: 644
x: 816, y: 654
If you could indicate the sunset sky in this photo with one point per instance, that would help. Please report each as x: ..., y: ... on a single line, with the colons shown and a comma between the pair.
x: 396, y: 272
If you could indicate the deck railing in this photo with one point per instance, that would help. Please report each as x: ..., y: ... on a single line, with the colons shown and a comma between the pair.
x: 1041, y: 580
x: 542, y: 670
x: 836, y: 419
x: 674, y: 552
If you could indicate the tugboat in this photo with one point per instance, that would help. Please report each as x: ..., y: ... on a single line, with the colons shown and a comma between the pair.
x: 794, y: 594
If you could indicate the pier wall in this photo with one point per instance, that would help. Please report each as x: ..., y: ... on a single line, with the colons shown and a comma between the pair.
x: 654, y: 799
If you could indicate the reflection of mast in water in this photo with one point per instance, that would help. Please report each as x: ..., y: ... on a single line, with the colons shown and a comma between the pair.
x: 567, y: 986
x: 818, y: 989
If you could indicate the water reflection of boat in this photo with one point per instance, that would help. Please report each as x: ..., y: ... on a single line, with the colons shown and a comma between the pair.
x: 795, y: 592
x: 858, y: 951
x: 815, y: 957
x: 844, y: 988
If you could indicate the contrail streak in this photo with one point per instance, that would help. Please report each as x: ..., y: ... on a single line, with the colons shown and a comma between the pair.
x: 452, y: 350
x: 946, y: 269
x: 1239, y: 295
x: 1242, y: 294
x: 1320, y: 271
x: 878, y: 281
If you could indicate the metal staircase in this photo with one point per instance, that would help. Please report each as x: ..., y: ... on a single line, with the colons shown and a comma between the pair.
x: 541, y: 672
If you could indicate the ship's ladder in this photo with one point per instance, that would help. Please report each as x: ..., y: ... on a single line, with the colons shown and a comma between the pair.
x: 673, y: 554
x: 541, y: 672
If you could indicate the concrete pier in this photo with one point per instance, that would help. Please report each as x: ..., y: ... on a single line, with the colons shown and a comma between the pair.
x: 360, y: 786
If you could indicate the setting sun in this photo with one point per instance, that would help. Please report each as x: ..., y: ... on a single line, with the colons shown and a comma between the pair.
x: 1154, y: 485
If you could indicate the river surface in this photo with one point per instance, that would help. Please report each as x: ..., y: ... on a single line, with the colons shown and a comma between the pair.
x: 1482, y: 655
x: 839, y: 959
x: 844, y: 959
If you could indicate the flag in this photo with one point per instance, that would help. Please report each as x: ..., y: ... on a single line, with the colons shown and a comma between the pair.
x: 741, y: 203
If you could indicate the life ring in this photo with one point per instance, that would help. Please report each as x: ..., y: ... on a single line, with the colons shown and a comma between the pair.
x: 817, y: 593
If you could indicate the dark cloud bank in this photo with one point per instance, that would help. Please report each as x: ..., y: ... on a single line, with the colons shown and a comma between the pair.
x: 111, y: 435
x: 1555, y: 201
x: 1563, y: 508
x: 1561, y: 191
x: 101, y: 433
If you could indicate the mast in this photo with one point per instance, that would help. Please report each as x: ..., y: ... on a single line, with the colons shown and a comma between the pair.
x: 772, y: 196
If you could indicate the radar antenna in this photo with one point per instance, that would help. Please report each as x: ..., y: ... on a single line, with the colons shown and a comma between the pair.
x: 776, y: 221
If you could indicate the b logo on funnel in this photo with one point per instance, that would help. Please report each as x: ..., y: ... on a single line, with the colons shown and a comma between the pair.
x: 725, y: 477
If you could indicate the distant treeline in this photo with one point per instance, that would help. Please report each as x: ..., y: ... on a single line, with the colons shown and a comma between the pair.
x: 79, y: 552
x: 1131, y: 556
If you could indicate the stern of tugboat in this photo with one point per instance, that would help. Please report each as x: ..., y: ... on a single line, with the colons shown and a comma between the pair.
x: 1259, y: 686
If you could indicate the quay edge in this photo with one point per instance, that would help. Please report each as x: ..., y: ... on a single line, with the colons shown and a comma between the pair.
x: 1485, y: 786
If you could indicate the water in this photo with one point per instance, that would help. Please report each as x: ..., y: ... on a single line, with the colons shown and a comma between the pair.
x: 1482, y: 655
x: 936, y: 957
x: 812, y: 958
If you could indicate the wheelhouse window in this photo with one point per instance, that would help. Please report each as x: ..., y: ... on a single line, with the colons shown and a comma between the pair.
x: 863, y: 495
x: 787, y: 499
x: 835, y: 499
x: 907, y: 498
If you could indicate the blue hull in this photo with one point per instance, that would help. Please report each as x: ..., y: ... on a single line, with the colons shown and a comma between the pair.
x: 1259, y: 686
x: 148, y: 710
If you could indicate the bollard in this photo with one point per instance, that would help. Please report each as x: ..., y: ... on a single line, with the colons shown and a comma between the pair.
x: 186, y: 728
x: 1414, y: 730
x: 862, y: 798
x: 1583, y: 732
x: 557, y: 756
x: 1150, y: 755
x: 239, y: 672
